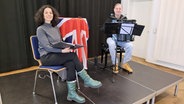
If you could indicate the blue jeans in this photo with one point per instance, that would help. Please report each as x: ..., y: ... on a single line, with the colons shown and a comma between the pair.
x: 127, y: 46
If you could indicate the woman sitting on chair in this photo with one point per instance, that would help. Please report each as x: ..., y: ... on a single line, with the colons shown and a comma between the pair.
x: 48, y: 33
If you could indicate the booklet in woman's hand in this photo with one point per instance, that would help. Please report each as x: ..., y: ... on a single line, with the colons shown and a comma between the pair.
x: 62, y: 45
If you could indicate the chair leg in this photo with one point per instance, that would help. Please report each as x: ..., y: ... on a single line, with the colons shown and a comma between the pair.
x: 58, y: 79
x: 36, y: 75
x: 120, y: 56
x: 53, y: 88
x: 102, y: 53
x: 77, y: 78
x: 105, y: 59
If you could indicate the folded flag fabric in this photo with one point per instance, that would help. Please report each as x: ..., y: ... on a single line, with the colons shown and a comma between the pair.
x: 75, y: 30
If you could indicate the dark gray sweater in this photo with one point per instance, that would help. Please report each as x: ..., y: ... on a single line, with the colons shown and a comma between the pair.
x: 47, y: 35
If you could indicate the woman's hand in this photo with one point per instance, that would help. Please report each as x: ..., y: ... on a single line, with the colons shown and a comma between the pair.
x: 66, y: 50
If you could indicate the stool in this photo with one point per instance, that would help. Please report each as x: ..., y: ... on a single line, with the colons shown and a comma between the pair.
x: 105, y: 50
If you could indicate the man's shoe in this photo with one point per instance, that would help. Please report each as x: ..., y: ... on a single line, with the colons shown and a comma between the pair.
x: 127, y: 67
x: 115, y: 69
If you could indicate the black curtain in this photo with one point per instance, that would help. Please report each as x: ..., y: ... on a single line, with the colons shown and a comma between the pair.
x: 17, y: 24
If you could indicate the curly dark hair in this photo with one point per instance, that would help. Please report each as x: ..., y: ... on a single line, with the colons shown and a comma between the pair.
x: 116, y: 4
x: 39, y: 18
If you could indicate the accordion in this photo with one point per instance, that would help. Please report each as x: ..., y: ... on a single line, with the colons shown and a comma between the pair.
x: 125, y: 37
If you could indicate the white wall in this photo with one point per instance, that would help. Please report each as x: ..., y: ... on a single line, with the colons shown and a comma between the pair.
x: 141, y: 11
x: 166, y: 37
x: 146, y: 12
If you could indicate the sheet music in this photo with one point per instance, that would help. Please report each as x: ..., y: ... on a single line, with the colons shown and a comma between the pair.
x: 126, y: 28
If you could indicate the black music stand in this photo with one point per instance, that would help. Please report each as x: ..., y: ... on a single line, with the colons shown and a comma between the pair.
x: 125, y: 32
x: 113, y: 28
x: 138, y: 29
x: 124, y: 28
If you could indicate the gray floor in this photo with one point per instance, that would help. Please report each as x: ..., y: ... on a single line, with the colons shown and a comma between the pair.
x: 156, y: 80
x: 136, y: 88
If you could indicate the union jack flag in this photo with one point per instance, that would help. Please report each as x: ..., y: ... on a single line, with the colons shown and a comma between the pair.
x: 75, y: 30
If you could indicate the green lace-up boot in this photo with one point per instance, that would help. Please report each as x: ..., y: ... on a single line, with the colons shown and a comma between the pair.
x: 72, y: 94
x: 88, y: 81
